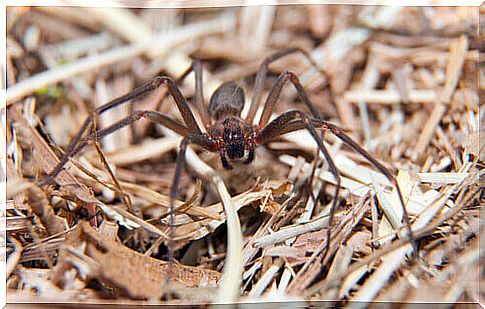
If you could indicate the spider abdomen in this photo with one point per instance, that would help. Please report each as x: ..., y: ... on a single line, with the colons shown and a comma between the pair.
x: 227, y: 100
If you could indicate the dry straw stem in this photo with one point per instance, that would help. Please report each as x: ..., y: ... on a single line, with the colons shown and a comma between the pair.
x: 266, y: 279
x: 147, y: 150
x: 255, y: 27
x: 443, y: 177
x: 457, y: 56
x: 391, y: 96
x: 421, y: 228
x: 44, y: 247
x: 369, y: 81
x: 72, y: 16
x: 289, y: 232
x: 358, y: 188
x: 231, y: 281
x: 125, y: 23
x: 160, y: 42
x: 340, y: 264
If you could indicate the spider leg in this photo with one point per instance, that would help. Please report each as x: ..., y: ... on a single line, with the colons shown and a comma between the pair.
x: 273, y: 96
x: 356, y: 147
x: 137, y: 115
x: 283, y: 120
x: 286, y: 124
x: 153, y: 116
x: 275, y: 128
x: 180, y: 101
x: 196, y: 67
x: 225, y: 162
x: 201, y: 140
x: 261, y: 76
x: 275, y: 92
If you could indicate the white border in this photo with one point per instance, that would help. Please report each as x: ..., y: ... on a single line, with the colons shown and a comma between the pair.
x: 152, y: 4
x: 227, y: 3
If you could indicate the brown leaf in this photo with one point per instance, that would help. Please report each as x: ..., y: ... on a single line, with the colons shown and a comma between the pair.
x: 133, y: 273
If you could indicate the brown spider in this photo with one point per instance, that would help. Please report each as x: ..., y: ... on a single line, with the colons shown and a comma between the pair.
x: 227, y: 133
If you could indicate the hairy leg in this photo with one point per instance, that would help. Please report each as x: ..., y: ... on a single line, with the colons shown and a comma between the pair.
x: 275, y: 93
x: 196, y: 67
x: 180, y: 101
x: 201, y: 140
x: 285, y: 124
x: 275, y: 128
x: 261, y: 77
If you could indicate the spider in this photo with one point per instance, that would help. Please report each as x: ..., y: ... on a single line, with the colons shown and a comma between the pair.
x: 227, y: 133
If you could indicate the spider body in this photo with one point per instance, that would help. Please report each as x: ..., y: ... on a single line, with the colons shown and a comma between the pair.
x: 234, y: 137
x: 226, y: 131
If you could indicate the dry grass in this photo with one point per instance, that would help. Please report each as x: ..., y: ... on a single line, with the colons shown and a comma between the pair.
x: 404, y: 84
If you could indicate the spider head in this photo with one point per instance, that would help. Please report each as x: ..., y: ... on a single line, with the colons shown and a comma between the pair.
x: 233, y: 138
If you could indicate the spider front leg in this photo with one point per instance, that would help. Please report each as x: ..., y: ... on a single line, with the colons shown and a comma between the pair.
x: 277, y: 128
x: 275, y: 93
x: 202, y: 140
x: 286, y: 123
x: 196, y: 67
x: 180, y: 101
x: 225, y: 162
x: 356, y: 147
x: 261, y: 77
x: 135, y: 116
x: 279, y: 124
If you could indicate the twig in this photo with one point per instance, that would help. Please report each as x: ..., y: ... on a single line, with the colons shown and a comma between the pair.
x: 390, y: 96
x: 286, y: 233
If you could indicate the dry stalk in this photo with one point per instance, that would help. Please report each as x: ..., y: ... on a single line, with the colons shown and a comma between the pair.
x: 231, y: 280
x: 458, y: 52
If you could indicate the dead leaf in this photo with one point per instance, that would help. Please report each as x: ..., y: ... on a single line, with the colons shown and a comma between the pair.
x: 132, y: 273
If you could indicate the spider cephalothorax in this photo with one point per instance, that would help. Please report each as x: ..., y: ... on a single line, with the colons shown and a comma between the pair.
x: 234, y: 135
